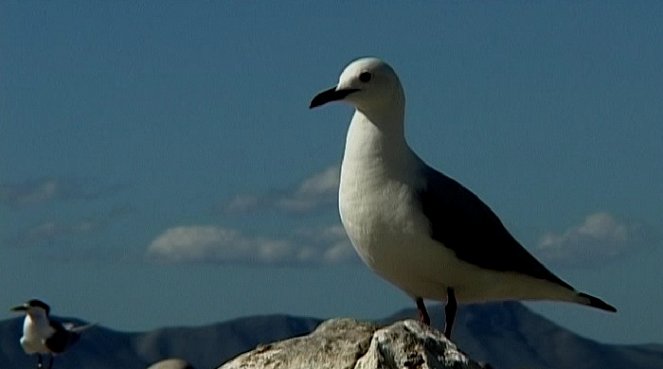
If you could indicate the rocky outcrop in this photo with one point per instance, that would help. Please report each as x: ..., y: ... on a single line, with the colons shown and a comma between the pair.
x: 346, y: 343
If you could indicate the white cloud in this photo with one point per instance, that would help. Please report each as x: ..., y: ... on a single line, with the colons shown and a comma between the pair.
x: 47, y: 189
x: 52, y: 230
x: 312, y: 193
x: 243, y: 203
x: 30, y: 192
x: 215, y: 244
x: 212, y: 243
x: 332, y: 242
x: 319, y: 189
x: 599, y: 238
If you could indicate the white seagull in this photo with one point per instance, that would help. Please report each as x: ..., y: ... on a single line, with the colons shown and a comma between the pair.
x: 44, y: 336
x: 416, y: 227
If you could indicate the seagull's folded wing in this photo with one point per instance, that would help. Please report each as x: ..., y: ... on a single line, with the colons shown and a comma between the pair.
x: 465, y: 224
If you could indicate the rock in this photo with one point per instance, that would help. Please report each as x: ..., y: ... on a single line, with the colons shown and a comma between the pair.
x: 171, y: 364
x: 346, y: 343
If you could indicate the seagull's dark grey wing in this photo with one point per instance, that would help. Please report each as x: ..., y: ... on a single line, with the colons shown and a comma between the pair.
x: 62, y: 339
x: 465, y: 224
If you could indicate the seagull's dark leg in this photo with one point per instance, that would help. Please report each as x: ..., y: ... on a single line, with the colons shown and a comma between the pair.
x: 40, y: 363
x: 423, y: 314
x: 450, y: 312
x: 50, y: 363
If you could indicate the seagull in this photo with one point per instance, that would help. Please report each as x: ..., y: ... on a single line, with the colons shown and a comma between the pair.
x: 43, y: 335
x: 416, y: 227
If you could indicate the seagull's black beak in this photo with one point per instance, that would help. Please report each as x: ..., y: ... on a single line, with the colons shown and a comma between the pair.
x: 330, y: 95
x: 20, y: 308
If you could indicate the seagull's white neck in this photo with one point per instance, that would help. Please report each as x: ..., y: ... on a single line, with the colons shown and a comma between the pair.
x: 377, y: 139
x: 37, y: 321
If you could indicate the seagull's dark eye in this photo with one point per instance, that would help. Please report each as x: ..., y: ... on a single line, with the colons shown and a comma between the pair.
x: 365, y: 77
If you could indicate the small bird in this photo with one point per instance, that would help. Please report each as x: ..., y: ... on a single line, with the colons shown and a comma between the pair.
x: 43, y: 335
x: 416, y: 227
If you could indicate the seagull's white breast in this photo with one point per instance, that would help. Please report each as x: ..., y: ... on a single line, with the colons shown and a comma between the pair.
x: 378, y: 208
x: 35, y: 332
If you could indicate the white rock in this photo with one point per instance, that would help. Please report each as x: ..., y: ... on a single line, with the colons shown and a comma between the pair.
x: 171, y: 364
x: 346, y: 343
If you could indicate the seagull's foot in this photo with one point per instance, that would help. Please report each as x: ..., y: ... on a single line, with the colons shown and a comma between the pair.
x: 423, y: 314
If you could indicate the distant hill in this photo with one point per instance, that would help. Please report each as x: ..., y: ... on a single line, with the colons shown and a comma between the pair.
x: 506, y: 335
x: 203, y: 347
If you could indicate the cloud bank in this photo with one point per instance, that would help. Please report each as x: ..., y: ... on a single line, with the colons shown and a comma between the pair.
x: 50, y: 231
x: 216, y: 244
x: 47, y: 189
x: 311, y: 194
x: 599, y: 238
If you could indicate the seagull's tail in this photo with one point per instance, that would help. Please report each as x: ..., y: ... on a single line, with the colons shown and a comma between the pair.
x: 594, y: 302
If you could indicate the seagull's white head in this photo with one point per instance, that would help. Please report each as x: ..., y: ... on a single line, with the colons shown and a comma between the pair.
x: 369, y: 84
x: 34, y: 308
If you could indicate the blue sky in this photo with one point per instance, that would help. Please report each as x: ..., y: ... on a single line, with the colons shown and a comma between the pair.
x: 159, y: 164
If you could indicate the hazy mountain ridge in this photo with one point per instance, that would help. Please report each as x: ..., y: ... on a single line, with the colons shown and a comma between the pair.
x: 204, y: 346
x: 506, y: 335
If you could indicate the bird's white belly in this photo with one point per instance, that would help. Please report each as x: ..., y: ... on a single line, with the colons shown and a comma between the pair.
x: 409, y: 263
x: 391, y: 237
x: 33, y: 337
x: 33, y: 345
